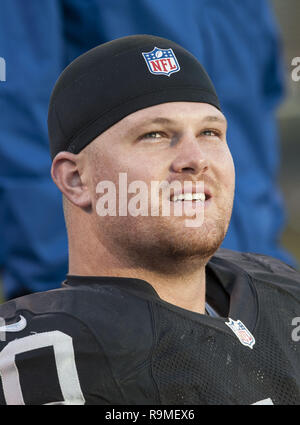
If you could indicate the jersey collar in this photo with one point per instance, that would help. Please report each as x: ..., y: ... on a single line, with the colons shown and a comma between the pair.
x: 229, y: 289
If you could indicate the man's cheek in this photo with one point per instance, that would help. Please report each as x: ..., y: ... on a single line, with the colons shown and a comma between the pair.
x: 228, y: 174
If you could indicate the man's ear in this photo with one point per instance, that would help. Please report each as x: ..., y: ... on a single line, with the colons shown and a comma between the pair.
x: 66, y: 175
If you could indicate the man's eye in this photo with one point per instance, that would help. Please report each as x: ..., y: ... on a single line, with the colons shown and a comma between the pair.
x: 211, y: 133
x: 152, y: 135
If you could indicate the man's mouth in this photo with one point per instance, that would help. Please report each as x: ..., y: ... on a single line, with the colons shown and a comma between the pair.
x: 190, y: 196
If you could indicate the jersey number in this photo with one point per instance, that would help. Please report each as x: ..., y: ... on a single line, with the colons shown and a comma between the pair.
x: 64, y: 359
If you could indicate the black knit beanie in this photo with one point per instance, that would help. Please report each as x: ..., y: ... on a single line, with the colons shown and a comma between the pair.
x: 117, y: 78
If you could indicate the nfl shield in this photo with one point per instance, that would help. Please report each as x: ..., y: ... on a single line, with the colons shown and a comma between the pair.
x: 161, y: 61
x: 240, y: 330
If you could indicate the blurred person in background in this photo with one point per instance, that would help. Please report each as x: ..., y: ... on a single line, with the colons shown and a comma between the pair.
x: 238, y: 44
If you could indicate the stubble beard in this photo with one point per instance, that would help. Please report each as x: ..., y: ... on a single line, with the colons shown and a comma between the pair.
x: 153, y: 243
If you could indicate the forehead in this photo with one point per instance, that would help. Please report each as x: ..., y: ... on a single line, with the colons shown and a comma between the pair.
x: 177, y: 111
x: 172, y: 113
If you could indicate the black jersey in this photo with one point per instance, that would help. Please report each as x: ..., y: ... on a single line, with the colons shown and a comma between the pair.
x: 105, y: 340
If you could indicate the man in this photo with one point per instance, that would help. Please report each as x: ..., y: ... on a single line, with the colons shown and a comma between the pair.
x: 150, y: 312
x: 249, y: 91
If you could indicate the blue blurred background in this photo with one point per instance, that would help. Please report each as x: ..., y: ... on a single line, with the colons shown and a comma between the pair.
x: 288, y: 116
x: 246, y: 46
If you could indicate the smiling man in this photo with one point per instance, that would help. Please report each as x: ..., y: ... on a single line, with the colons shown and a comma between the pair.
x: 152, y: 311
x: 178, y: 142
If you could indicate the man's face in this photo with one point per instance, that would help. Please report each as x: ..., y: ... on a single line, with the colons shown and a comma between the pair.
x: 177, y: 141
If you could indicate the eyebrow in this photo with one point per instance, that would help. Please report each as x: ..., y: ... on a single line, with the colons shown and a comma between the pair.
x: 165, y: 121
x: 214, y: 118
x: 160, y: 120
x: 208, y: 118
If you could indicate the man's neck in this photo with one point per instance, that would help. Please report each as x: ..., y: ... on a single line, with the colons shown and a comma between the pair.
x: 179, y: 281
x: 185, y: 290
x: 184, y: 287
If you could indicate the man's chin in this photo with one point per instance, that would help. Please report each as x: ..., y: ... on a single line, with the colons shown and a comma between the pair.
x: 178, y: 242
x: 174, y: 255
x: 189, y: 247
x: 165, y: 244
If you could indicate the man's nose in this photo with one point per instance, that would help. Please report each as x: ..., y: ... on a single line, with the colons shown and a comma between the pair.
x: 190, y: 156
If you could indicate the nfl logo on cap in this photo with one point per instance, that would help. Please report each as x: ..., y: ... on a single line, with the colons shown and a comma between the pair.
x: 161, y: 61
